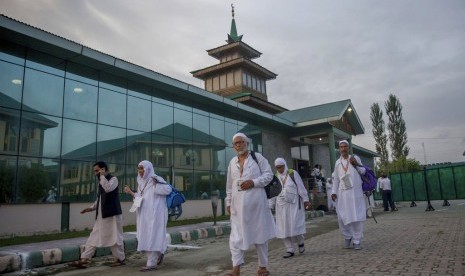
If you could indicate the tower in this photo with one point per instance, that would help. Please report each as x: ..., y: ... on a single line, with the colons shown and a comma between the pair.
x: 236, y: 76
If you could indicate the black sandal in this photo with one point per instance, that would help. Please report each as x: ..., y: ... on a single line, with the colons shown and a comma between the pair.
x: 160, y: 259
x: 301, y: 248
x: 288, y: 255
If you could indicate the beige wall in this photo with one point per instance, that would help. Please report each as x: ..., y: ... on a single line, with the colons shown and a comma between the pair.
x: 31, y: 219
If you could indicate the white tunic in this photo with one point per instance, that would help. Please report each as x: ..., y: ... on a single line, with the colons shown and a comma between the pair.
x: 350, y: 200
x: 290, y: 220
x: 251, y: 218
x: 152, y: 216
x: 107, y: 231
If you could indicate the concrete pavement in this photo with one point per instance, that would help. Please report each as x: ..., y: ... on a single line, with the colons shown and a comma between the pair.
x: 29, y: 256
x: 408, y: 242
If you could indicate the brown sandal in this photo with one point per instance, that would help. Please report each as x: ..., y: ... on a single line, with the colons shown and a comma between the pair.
x: 118, y: 263
x: 262, y: 272
x: 160, y: 259
x: 80, y: 264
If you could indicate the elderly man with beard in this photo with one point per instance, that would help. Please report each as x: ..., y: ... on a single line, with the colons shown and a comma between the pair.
x: 347, y: 189
x: 251, y: 219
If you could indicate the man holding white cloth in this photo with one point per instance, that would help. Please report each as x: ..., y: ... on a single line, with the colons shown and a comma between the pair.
x: 347, y: 189
x: 251, y: 220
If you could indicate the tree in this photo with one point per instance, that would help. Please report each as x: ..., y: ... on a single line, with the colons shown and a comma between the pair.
x: 404, y: 164
x: 397, y: 128
x: 379, y: 134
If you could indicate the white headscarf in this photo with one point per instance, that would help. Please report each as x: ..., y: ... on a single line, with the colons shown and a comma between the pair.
x: 148, y: 172
x: 240, y: 134
x: 281, y: 162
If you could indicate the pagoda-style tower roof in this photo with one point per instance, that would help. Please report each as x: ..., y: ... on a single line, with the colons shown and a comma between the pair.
x: 237, y: 76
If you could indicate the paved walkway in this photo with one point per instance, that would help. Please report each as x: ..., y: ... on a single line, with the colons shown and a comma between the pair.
x: 408, y: 242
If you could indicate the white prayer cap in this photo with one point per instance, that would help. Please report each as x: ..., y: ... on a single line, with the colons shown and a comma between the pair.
x: 343, y: 141
x: 240, y: 134
x: 279, y: 162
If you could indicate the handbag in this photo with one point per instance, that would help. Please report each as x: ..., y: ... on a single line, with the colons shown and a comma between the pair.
x: 273, y: 188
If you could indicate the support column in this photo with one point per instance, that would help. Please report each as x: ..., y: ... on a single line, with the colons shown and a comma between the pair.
x: 332, y: 153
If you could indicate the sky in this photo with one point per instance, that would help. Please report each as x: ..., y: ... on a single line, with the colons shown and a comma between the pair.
x: 322, y: 51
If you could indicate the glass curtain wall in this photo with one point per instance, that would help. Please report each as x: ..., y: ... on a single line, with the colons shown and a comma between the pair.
x: 57, y: 118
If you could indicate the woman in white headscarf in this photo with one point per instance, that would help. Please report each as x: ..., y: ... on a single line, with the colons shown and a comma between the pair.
x: 152, y: 213
x: 290, y: 206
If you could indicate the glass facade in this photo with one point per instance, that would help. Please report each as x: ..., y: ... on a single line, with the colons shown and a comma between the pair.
x: 58, y: 117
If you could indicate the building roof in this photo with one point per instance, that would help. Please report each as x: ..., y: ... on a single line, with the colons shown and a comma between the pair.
x: 235, y: 63
x: 165, y: 87
x: 32, y: 116
x: 324, y: 113
x: 364, y: 151
x: 237, y: 46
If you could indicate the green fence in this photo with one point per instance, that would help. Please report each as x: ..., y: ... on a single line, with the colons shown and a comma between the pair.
x: 442, y: 183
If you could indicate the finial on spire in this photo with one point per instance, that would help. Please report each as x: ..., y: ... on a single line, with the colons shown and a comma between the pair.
x: 233, y: 37
x: 232, y: 6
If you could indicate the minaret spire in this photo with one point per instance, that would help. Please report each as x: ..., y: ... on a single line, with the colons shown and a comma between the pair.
x: 233, y: 37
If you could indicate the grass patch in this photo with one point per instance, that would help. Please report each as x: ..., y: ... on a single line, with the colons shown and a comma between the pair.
x: 85, y: 233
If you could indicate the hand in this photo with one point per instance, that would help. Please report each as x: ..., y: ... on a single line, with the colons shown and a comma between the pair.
x: 102, y: 171
x: 86, y: 210
x: 307, y: 205
x: 248, y: 184
x: 353, y: 161
x: 128, y: 190
x: 228, y: 208
x: 333, y: 197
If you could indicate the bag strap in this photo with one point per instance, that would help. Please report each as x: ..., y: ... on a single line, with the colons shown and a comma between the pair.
x: 290, y: 172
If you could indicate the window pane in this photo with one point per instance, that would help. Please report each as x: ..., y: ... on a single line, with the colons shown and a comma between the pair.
x: 37, y: 180
x: 9, y: 131
x: 162, y: 119
x: 80, y: 101
x: 202, y: 185
x: 11, y: 84
x: 8, y: 173
x: 218, y: 180
x: 139, y: 114
x: 182, y: 124
x: 40, y: 135
x: 162, y: 151
x: 79, y: 140
x: 139, y: 90
x: 111, y: 108
x: 78, y: 183
x: 219, y: 162
x: 183, y: 155
x: 111, y: 144
x: 184, y: 182
x: 201, y: 128
x: 217, y: 131
x: 230, y: 130
x: 112, y: 82
x: 82, y: 73
x: 162, y: 101
x: 12, y: 52
x: 139, y: 146
x: 43, y: 93
x: 45, y: 63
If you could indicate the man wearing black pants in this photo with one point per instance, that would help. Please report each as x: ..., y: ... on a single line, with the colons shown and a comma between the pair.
x: 384, y: 185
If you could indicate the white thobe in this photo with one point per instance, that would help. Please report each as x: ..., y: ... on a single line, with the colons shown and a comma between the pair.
x: 107, y: 232
x: 350, y: 202
x: 152, y: 216
x: 290, y: 219
x: 251, y: 218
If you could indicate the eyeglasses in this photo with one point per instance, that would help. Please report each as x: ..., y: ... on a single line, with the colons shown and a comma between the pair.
x: 140, y: 168
x: 96, y: 170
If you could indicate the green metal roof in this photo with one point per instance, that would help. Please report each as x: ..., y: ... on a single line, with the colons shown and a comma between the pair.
x: 324, y: 113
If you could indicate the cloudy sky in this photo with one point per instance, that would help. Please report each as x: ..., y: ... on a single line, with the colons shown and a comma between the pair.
x: 322, y: 51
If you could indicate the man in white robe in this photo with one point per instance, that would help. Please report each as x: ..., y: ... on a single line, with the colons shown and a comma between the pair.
x: 251, y: 220
x: 108, y: 227
x: 347, y: 189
